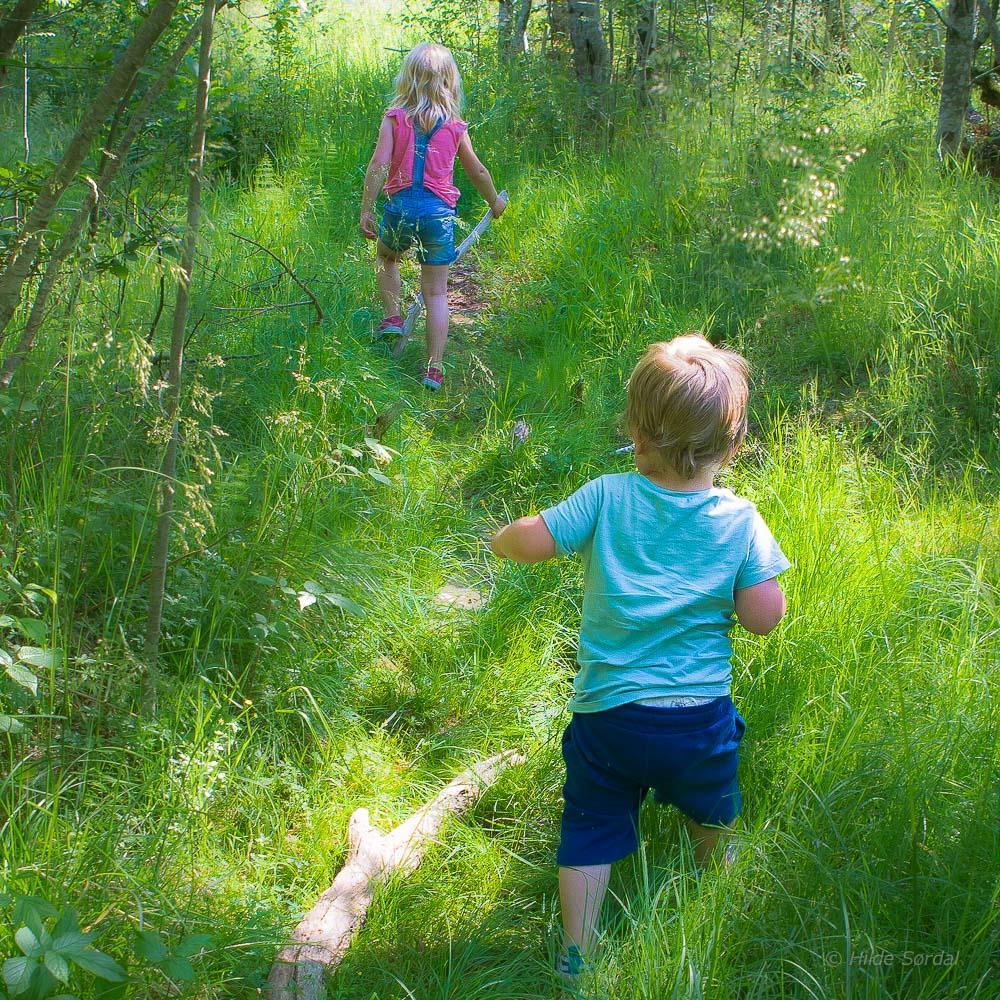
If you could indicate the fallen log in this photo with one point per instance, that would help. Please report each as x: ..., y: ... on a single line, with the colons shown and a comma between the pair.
x: 325, y: 933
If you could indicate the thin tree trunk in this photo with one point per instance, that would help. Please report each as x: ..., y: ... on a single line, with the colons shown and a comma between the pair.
x: 13, y: 26
x: 22, y: 255
x: 505, y: 16
x: 836, y: 33
x: 590, y: 51
x: 519, y: 37
x: 711, y: 64
x: 791, y: 33
x: 645, y: 45
x: 112, y: 161
x: 956, y: 76
x: 890, y: 41
x: 765, y: 42
x: 168, y: 470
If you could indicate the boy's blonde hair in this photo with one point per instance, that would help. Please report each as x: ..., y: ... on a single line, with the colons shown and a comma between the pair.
x: 429, y: 87
x: 688, y: 401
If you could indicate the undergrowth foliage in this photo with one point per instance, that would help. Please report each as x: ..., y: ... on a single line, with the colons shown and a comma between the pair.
x: 310, y: 668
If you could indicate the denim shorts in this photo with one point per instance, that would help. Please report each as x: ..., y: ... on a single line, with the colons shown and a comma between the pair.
x: 688, y: 756
x: 433, y: 235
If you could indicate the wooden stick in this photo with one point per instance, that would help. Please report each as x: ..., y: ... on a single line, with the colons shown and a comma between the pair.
x: 413, y: 313
x: 325, y: 933
x: 291, y: 274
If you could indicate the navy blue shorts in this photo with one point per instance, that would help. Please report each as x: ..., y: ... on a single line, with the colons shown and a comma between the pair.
x: 688, y: 756
x: 433, y: 235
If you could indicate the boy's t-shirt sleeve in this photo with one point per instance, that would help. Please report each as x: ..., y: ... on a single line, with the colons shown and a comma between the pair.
x: 572, y: 522
x: 764, y: 559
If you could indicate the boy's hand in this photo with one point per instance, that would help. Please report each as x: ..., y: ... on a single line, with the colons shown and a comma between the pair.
x: 367, y: 224
x: 499, y: 205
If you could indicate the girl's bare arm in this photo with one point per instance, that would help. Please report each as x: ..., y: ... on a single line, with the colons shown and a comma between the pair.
x: 480, y: 176
x: 378, y: 168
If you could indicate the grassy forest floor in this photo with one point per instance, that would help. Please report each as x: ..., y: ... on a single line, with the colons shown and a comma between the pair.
x: 870, y: 764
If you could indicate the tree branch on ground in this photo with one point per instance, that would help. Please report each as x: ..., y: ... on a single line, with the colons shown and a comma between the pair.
x: 325, y: 933
x: 291, y: 274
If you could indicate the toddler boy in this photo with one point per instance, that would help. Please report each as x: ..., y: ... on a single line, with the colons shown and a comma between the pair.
x: 669, y: 558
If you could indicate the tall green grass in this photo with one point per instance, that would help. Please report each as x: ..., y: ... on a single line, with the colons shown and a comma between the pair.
x: 868, y: 862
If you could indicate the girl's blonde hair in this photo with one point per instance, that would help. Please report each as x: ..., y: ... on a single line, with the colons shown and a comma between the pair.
x: 688, y: 401
x: 428, y: 87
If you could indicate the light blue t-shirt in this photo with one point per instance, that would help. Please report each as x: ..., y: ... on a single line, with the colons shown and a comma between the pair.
x: 660, y: 568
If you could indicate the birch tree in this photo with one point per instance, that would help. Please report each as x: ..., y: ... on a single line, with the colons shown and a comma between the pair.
x: 956, y: 75
x: 168, y: 469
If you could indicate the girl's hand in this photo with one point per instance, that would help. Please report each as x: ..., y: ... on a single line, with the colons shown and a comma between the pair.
x: 367, y: 224
x: 498, y: 206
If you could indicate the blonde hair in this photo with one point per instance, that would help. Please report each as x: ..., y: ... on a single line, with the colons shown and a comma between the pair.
x: 688, y: 401
x: 429, y: 87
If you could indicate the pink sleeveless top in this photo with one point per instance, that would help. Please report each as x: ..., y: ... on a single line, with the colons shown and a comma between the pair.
x: 439, y: 166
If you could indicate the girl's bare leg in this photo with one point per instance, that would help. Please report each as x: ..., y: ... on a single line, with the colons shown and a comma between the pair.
x: 434, y: 285
x: 387, y: 275
x: 705, y: 840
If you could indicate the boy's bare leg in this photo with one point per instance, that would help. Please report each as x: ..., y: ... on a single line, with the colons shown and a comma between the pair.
x: 434, y: 285
x: 387, y: 275
x: 581, y: 893
x: 705, y: 840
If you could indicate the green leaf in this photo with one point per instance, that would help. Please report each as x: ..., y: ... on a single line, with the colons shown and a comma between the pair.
x: 7, y: 622
x: 20, y: 674
x: 44, y: 659
x: 8, y: 724
x: 264, y: 581
x: 57, y: 965
x: 179, y: 968
x: 346, y: 604
x: 33, y: 628
x: 32, y: 911
x: 18, y: 973
x: 68, y: 923
x: 149, y: 945
x: 194, y: 943
x: 27, y: 942
x: 101, y: 965
x: 5, y: 658
x: 380, y: 477
x: 306, y: 599
x: 47, y: 591
x: 72, y: 944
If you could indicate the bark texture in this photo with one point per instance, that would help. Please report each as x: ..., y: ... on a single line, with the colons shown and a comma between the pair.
x: 326, y: 931
x: 13, y: 25
x: 956, y: 76
x: 645, y: 46
x: 590, y: 51
x: 22, y: 255
x: 168, y: 469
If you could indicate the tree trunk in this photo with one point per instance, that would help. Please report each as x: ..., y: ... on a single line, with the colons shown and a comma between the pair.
x: 325, y: 933
x: 111, y: 162
x: 956, y: 77
x: 519, y: 36
x: 13, y: 26
x: 590, y: 51
x: 645, y: 45
x: 168, y: 469
x: 836, y: 33
x: 22, y: 254
x: 890, y: 41
x: 505, y: 16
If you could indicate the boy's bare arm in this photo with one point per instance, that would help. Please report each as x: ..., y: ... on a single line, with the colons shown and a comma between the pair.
x: 526, y: 540
x: 761, y: 607
x: 480, y: 176
x: 378, y: 169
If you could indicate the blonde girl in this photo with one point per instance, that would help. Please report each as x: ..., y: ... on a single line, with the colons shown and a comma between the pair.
x: 420, y: 137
